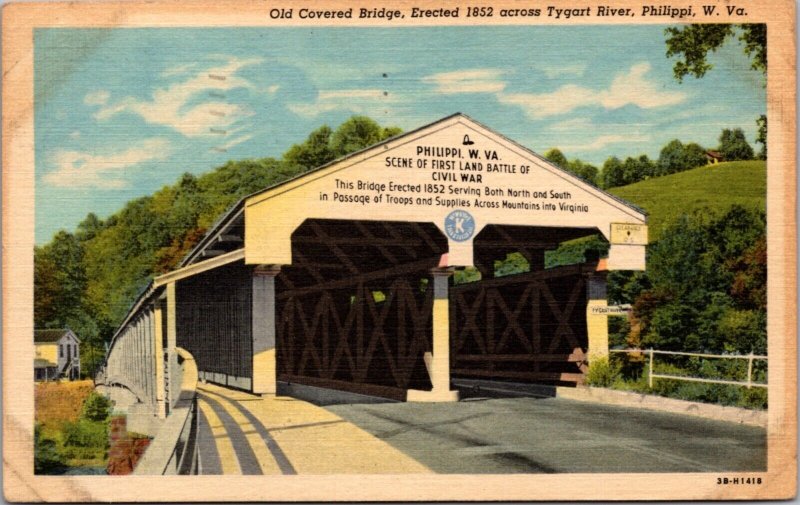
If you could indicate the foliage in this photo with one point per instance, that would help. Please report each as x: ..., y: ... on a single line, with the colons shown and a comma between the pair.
x: 619, y: 173
x: 576, y: 251
x: 761, y: 137
x: 72, y: 422
x: 583, y: 170
x: 635, y: 372
x: 85, y: 439
x: 96, y: 407
x: 692, y: 43
x: 46, y: 458
x: 619, y: 327
x: 85, y: 433
x: 699, y: 299
x: 602, y: 372
x: 676, y: 157
x: 733, y: 145
x: 667, y: 198
x: 613, y: 173
x: 315, y: 151
x: 324, y: 145
x: 556, y: 157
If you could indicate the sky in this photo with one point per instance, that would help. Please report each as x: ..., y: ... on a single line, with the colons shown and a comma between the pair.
x: 120, y: 113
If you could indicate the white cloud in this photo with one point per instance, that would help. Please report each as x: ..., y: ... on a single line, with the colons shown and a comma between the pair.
x: 75, y: 169
x: 605, y: 140
x: 168, y: 106
x: 574, y: 70
x: 179, y: 70
x: 565, y: 99
x: 481, y: 80
x: 75, y: 135
x: 99, y: 97
x: 575, y: 124
x: 631, y: 88
x: 357, y: 101
x: 273, y: 89
x: 232, y: 143
x: 634, y: 88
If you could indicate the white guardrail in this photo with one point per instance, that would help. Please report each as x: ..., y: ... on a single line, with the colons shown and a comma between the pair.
x: 651, y: 352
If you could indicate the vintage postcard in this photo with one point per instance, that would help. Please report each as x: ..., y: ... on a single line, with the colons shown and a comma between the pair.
x: 399, y: 251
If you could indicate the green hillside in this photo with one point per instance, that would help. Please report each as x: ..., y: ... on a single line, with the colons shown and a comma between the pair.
x: 715, y: 187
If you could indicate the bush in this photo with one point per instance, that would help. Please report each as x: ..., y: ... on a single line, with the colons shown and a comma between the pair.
x: 46, y: 458
x: 85, y: 433
x: 602, y: 372
x: 96, y: 407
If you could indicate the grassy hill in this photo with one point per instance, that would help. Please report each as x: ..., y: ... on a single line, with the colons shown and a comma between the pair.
x: 714, y: 187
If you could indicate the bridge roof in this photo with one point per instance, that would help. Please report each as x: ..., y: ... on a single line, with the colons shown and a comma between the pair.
x: 423, y: 176
x: 227, y: 232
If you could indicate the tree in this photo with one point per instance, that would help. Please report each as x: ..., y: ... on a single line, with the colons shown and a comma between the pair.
x: 59, y: 281
x: 613, y: 174
x: 637, y: 169
x: 583, y: 170
x: 557, y: 158
x: 314, y: 152
x: 762, y: 136
x: 692, y: 43
x: 324, y: 145
x: 705, y: 285
x: 357, y: 133
x: 733, y: 145
x: 676, y: 157
x: 694, y: 155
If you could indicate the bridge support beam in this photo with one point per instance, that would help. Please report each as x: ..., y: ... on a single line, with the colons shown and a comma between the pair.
x: 264, y: 366
x: 158, y: 346
x: 597, y: 317
x: 438, y: 362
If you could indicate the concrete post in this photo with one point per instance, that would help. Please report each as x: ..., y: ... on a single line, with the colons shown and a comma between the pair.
x: 263, y: 324
x: 439, y: 362
x: 597, y: 317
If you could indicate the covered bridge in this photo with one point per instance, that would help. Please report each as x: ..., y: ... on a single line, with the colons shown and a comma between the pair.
x: 342, y: 278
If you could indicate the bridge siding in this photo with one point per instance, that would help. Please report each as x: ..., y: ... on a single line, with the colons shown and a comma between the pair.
x: 214, y: 322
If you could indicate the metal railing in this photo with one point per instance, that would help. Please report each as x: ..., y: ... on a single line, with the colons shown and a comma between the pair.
x: 174, y: 448
x: 749, y: 383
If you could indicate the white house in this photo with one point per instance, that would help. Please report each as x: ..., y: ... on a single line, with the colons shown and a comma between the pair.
x: 57, y: 355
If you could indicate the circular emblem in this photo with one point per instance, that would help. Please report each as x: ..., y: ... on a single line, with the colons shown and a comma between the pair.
x: 459, y: 225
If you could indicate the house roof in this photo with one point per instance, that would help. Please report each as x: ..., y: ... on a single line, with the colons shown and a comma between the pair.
x: 714, y: 154
x: 43, y: 363
x: 51, y: 336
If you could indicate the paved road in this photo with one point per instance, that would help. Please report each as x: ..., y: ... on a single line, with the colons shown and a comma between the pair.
x: 528, y: 435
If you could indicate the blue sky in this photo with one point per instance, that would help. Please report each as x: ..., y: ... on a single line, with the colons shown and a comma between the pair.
x: 120, y: 113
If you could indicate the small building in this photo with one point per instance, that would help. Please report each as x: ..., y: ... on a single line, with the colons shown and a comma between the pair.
x: 714, y: 157
x: 57, y: 355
